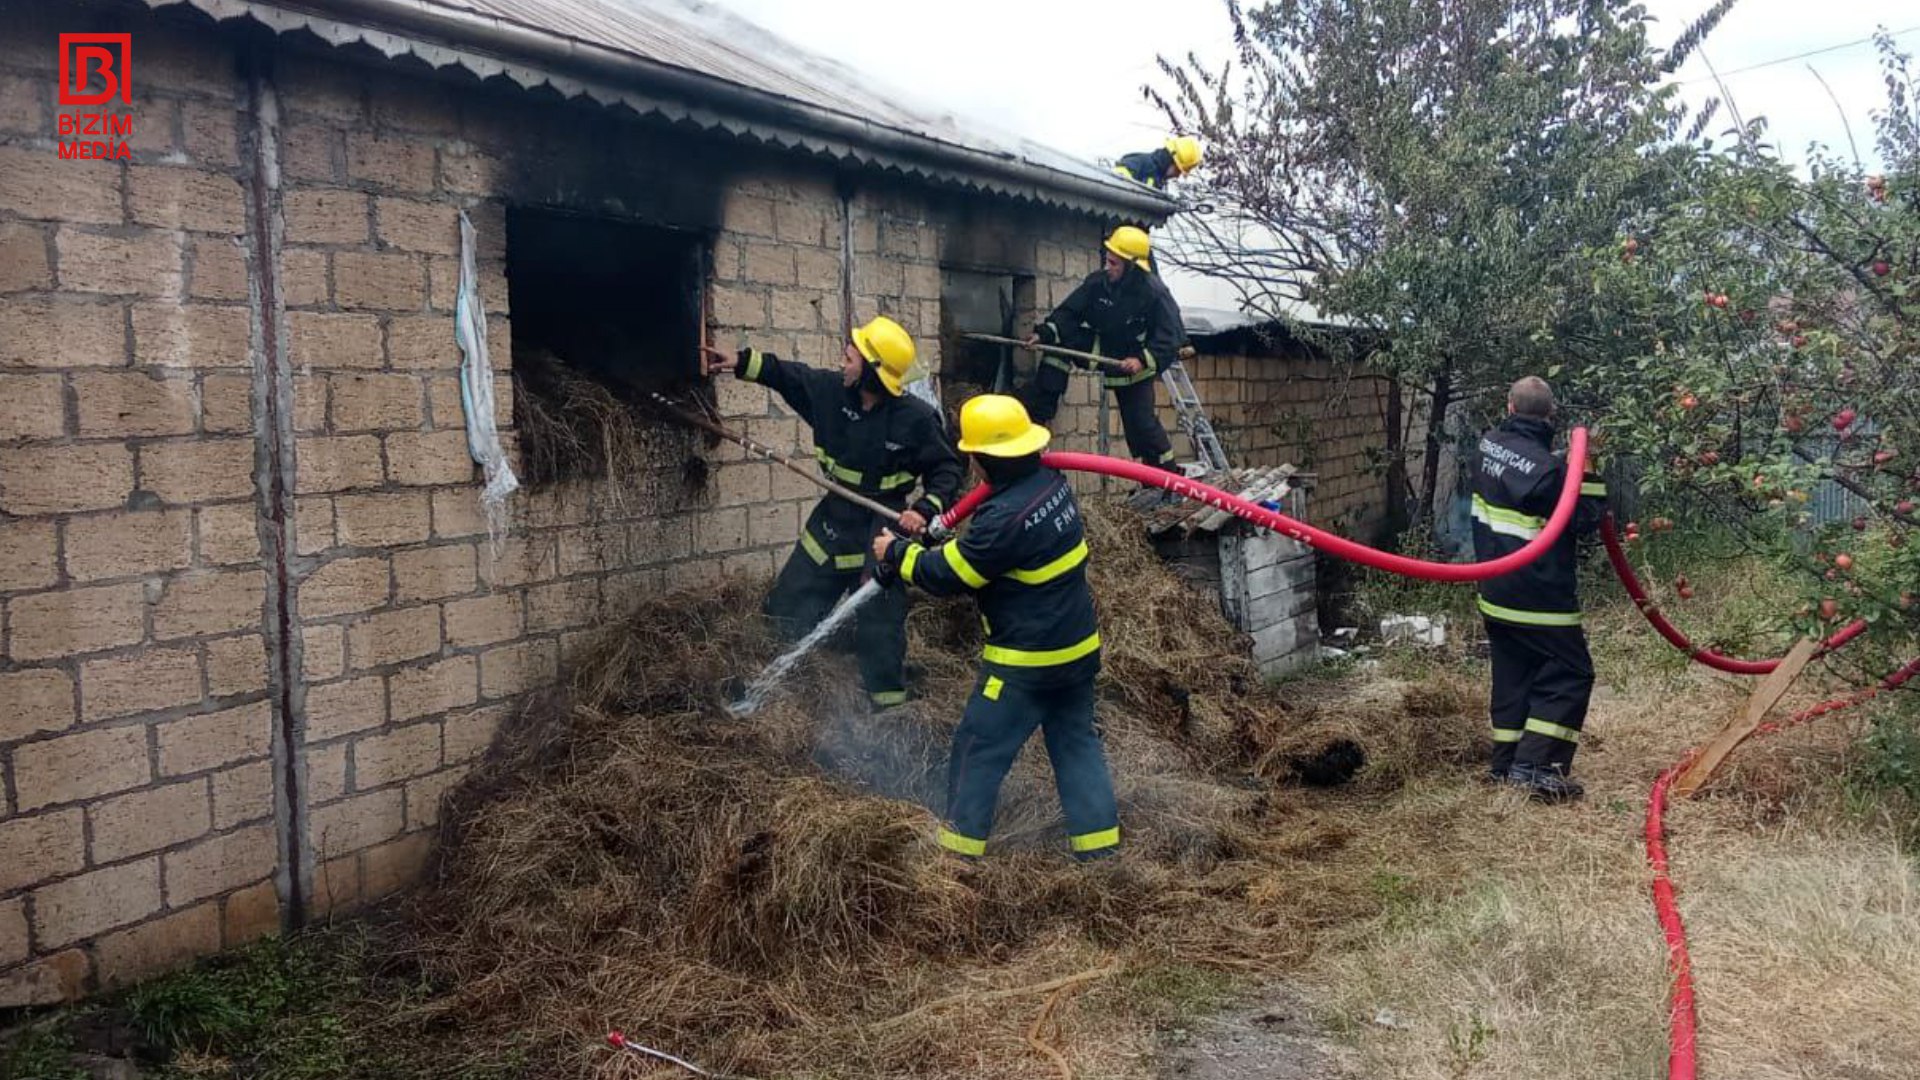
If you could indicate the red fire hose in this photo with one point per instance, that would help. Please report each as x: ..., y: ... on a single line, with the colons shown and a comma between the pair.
x: 1325, y: 541
x: 1682, y: 1060
x: 1617, y: 555
x: 1682, y: 1050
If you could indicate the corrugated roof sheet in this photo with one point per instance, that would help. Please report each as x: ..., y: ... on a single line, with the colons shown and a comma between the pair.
x: 811, y: 102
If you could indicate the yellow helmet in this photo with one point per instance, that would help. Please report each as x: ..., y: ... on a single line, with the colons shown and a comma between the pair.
x: 1130, y: 242
x: 998, y: 426
x: 888, y: 347
x: 1186, y: 152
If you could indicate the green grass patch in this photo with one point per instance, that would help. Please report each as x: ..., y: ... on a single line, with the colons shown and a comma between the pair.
x: 41, y: 1052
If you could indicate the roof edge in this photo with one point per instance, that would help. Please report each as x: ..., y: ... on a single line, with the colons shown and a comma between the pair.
x: 450, y: 34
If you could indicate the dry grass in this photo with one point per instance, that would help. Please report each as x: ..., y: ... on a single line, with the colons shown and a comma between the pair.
x: 764, y: 896
x: 1520, y: 941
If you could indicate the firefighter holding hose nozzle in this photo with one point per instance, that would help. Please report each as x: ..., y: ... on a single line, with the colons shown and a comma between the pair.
x: 1542, y: 672
x: 1024, y: 558
x: 873, y: 437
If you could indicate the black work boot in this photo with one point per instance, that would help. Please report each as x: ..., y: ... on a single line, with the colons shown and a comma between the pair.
x: 1546, y: 783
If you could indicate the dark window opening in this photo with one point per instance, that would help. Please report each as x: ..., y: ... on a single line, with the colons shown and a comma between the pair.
x: 986, y: 303
x: 604, y: 312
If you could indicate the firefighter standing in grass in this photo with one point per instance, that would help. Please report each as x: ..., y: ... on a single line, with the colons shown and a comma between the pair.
x: 871, y: 436
x: 1024, y: 557
x: 1542, y: 673
x: 1123, y: 311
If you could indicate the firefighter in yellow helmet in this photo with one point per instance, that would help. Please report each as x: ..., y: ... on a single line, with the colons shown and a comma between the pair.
x: 872, y: 436
x: 1154, y: 168
x: 1124, y: 311
x: 1024, y: 558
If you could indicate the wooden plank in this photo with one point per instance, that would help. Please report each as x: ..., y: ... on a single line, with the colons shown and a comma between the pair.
x: 1274, y: 484
x: 1739, y: 727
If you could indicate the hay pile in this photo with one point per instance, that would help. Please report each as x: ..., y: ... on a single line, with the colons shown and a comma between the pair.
x: 765, y: 896
x: 573, y: 426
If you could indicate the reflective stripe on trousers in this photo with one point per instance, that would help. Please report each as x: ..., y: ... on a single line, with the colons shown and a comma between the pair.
x: 989, y: 738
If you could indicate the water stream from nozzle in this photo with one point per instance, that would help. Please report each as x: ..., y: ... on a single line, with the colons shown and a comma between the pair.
x: 764, y: 684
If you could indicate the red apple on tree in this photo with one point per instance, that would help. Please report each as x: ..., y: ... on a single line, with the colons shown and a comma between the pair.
x: 1843, y: 561
x: 1829, y: 608
x: 1881, y: 268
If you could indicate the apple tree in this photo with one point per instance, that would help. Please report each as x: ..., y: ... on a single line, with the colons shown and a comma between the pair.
x: 1773, y: 326
x: 1438, y: 172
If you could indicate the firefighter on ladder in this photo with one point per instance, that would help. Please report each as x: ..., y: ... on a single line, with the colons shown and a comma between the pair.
x: 871, y: 436
x: 1024, y: 557
x: 1542, y: 673
x: 1121, y: 310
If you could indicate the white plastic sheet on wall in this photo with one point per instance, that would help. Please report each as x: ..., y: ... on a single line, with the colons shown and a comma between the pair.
x: 476, y: 391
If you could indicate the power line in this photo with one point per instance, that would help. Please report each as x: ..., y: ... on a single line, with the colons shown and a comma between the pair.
x: 1795, y: 56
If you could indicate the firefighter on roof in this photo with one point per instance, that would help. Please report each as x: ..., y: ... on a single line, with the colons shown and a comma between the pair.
x: 1154, y: 168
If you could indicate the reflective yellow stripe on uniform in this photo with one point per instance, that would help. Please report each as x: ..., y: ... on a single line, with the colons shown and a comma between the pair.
x: 1096, y: 841
x: 1507, y: 522
x: 1528, y: 618
x: 884, y: 698
x: 1053, y: 569
x: 1552, y: 730
x: 835, y: 469
x: 910, y: 560
x: 753, y: 366
x: 965, y: 845
x: 959, y: 564
x: 991, y: 689
x: 1593, y: 489
x: 813, y: 549
x: 820, y: 557
x: 1000, y: 654
x: 1501, y: 734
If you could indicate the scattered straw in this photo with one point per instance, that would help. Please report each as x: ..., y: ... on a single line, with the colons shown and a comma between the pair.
x: 767, y: 896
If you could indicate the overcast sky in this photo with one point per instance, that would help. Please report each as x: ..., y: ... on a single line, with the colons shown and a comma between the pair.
x: 1068, y: 72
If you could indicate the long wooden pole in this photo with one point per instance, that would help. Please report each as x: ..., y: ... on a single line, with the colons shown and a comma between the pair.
x: 1072, y: 354
x: 768, y: 452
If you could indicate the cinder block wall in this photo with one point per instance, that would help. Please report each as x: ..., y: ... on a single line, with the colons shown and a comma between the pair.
x: 135, y: 721
x: 1313, y: 413
x: 252, y: 628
